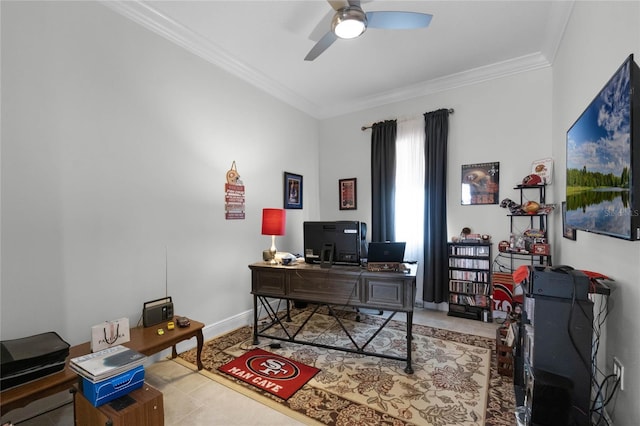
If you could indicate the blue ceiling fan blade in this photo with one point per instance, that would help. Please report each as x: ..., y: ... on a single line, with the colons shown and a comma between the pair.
x: 393, y: 20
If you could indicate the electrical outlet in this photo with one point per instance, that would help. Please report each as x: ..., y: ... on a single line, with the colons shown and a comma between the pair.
x: 618, y: 370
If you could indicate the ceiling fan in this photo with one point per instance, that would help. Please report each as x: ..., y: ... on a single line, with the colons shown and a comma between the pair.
x: 350, y: 21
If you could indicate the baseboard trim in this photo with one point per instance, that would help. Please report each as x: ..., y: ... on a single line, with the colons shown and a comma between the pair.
x: 214, y: 330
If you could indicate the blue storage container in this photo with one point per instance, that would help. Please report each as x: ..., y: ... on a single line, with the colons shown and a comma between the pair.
x: 114, y: 387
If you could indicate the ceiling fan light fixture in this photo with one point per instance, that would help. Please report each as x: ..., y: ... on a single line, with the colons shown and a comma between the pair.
x: 349, y: 22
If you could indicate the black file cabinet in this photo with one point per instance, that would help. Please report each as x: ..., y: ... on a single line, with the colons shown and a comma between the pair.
x: 554, y: 348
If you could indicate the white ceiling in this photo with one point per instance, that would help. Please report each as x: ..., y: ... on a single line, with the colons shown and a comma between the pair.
x: 265, y: 42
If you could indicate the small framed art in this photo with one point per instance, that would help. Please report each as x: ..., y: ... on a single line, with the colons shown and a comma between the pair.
x: 292, y: 191
x: 544, y: 169
x: 348, y: 193
x: 480, y: 183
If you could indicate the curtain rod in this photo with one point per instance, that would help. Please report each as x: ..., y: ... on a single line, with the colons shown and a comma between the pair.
x: 363, y: 128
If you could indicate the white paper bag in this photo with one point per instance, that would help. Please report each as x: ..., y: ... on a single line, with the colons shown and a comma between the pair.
x: 109, y: 333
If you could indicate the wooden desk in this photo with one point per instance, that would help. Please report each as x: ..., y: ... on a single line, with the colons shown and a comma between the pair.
x: 339, y: 285
x: 144, y: 340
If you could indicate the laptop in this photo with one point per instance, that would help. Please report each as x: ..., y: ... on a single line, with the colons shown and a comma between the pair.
x: 385, y: 254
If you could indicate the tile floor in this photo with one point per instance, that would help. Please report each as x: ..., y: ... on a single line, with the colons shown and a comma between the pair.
x: 191, y: 399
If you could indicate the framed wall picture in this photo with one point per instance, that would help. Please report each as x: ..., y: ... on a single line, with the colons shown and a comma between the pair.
x: 567, y: 231
x: 544, y: 169
x: 292, y: 191
x: 480, y: 183
x: 348, y: 193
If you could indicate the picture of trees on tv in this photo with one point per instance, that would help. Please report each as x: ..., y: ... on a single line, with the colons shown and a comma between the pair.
x: 603, y: 157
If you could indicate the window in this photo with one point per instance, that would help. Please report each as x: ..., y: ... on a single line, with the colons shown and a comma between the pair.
x: 409, y: 207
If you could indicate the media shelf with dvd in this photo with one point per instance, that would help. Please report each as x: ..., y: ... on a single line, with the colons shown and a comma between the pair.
x: 470, y: 280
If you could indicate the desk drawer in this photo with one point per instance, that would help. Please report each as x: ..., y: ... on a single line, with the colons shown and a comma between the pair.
x: 325, y: 289
x: 268, y: 283
x: 387, y: 293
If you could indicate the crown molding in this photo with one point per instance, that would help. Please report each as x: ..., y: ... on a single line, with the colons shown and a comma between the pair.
x: 173, y: 31
x: 466, y: 78
x: 177, y: 33
x: 556, y: 26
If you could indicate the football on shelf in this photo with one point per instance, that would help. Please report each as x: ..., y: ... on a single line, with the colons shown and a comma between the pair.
x: 531, y: 207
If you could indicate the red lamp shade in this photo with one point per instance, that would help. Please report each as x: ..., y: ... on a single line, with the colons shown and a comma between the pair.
x: 273, y: 221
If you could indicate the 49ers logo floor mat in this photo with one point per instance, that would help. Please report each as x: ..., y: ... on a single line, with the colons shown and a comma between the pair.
x: 273, y: 373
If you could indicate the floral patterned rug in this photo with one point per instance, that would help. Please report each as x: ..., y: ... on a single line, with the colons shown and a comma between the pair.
x: 455, y: 380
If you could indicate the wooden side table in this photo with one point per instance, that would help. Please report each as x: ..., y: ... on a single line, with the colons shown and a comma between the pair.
x: 146, y: 408
x: 145, y: 340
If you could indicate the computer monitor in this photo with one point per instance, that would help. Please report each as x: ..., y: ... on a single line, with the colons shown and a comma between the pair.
x: 347, y: 237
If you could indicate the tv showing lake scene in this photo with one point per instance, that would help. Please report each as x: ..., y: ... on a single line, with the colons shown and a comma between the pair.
x: 603, y: 153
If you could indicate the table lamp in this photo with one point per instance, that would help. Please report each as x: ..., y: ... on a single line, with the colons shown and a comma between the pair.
x: 273, y: 223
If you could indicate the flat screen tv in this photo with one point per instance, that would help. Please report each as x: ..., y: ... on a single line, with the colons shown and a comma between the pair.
x: 603, y: 160
x: 345, y: 239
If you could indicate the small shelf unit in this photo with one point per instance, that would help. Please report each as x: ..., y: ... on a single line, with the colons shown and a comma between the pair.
x: 470, y: 280
x: 538, y: 221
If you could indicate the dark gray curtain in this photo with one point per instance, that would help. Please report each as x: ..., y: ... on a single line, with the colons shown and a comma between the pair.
x: 435, y: 288
x: 383, y: 175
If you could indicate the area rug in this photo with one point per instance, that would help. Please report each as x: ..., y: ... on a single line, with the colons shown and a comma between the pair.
x: 278, y: 375
x: 455, y: 380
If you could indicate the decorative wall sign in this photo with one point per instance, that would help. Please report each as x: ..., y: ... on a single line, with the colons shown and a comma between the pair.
x: 234, y: 195
x: 544, y: 169
x: 292, y: 191
x: 480, y: 183
x: 348, y: 194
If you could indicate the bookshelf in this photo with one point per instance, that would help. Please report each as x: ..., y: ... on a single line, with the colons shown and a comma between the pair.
x: 470, y: 280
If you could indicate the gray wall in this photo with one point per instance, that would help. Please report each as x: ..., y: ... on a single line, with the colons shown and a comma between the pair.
x: 598, y: 38
x: 115, y: 148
